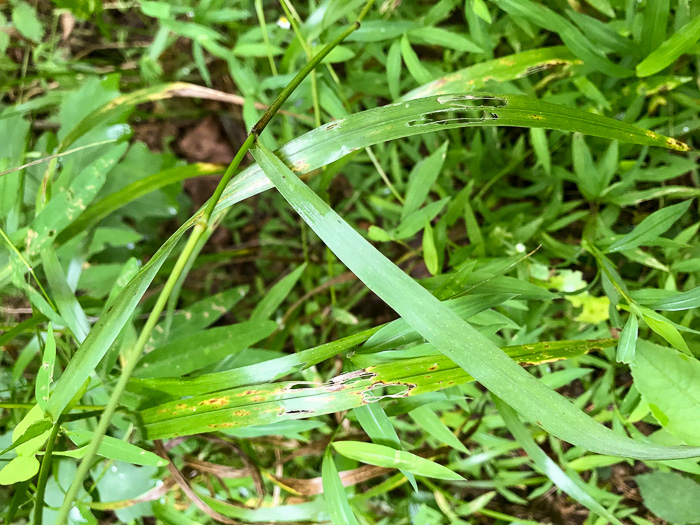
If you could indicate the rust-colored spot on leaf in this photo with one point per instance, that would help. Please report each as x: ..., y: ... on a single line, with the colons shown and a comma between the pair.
x: 182, y: 406
x: 250, y: 393
x: 677, y: 144
x: 215, y: 401
x: 220, y: 425
x: 300, y: 166
x: 433, y: 367
x: 241, y: 413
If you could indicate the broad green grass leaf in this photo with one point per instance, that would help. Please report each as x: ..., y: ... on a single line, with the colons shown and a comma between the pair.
x: 264, y: 372
x: 276, y: 295
x: 155, y: 9
x: 671, y: 496
x: 413, y: 63
x: 334, y: 493
x: 197, y: 350
x: 382, y: 456
x: 416, y: 221
x: 113, y: 448
x: 398, y: 333
x: 669, y: 382
x: 583, y: 48
x: 589, y: 180
x: 449, y: 333
x: 651, y: 227
x: 666, y: 330
x: 682, y: 301
x: 266, y: 403
x: 26, y: 22
x: 654, y: 18
x: 320, y: 147
x: 333, y: 141
x: 19, y: 469
x: 112, y: 202
x: 393, y: 69
x: 431, y: 424
x: 44, y: 376
x: 502, y: 69
x: 15, y: 130
x: 422, y: 178
x: 378, y: 427
x: 442, y: 37
x: 430, y: 255
x: 37, y: 428
x: 106, y: 330
x: 538, y: 138
x: 66, y: 302
x: 628, y: 340
x: 378, y: 30
x: 571, y: 485
x: 481, y: 10
x: 65, y: 207
x: 663, y: 56
x: 32, y: 424
x: 196, y: 317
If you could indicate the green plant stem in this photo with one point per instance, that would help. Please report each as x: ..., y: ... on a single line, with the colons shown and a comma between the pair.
x: 44, y: 474
x: 284, y: 95
x: 134, y: 354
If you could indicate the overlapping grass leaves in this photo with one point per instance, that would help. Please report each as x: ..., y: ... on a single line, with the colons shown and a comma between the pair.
x: 331, y: 142
x: 464, y: 345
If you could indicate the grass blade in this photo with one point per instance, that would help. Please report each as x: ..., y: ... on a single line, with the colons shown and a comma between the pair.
x: 333, y: 141
x: 651, y: 227
x: 574, y: 487
x: 671, y: 49
x: 334, y: 493
x: 200, y: 349
x: 264, y: 403
x: 44, y: 376
x: 102, y: 208
x: 388, y: 457
x: 509, y: 67
x: 448, y: 332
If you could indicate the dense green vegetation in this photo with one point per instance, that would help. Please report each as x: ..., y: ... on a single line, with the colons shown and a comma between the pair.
x: 263, y: 263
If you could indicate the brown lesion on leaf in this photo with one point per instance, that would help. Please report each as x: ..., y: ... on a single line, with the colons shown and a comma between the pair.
x: 250, y: 393
x: 300, y: 166
x: 549, y: 64
x: 215, y: 401
x: 677, y: 144
x: 182, y: 406
x: 220, y: 425
x: 241, y: 413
